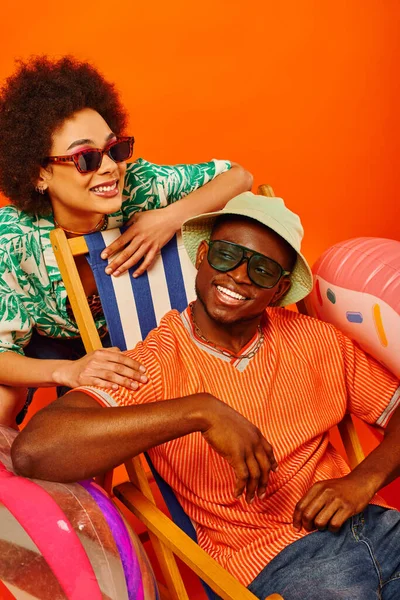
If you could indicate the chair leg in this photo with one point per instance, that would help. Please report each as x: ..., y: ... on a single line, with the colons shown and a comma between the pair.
x: 165, y: 556
x: 169, y: 534
x: 164, y: 593
x: 169, y: 568
x: 105, y: 481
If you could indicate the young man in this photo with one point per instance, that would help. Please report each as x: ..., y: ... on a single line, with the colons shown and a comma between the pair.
x: 236, y: 415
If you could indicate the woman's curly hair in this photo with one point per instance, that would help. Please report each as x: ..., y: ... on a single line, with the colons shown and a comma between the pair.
x: 34, y: 102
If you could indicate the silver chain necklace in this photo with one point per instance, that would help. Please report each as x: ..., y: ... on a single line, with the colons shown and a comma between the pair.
x: 221, y: 350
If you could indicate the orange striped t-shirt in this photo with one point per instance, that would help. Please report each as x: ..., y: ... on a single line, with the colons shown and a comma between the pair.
x: 301, y: 382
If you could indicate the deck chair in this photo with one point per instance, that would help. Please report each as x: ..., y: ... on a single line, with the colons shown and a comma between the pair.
x: 167, y: 537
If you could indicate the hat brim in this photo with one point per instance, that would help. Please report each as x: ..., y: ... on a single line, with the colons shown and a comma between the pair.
x: 199, y: 228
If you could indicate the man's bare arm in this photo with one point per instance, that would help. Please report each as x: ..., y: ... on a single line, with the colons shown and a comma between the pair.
x: 75, y: 438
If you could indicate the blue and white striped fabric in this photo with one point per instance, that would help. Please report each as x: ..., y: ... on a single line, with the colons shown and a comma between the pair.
x: 133, y: 307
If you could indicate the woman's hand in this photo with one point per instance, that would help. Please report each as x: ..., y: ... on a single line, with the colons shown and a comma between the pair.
x: 108, y: 368
x: 148, y: 232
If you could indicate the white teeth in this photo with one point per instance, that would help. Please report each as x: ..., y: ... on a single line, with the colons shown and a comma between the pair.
x: 104, y: 188
x: 227, y: 292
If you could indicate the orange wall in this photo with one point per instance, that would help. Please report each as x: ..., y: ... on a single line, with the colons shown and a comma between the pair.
x: 303, y: 93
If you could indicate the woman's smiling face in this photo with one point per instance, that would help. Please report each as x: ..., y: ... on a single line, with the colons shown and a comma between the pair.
x: 79, y: 199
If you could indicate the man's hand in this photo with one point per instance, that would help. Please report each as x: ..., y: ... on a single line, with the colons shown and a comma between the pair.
x: 148, y: 232
x: 328, y: 504
x: 244, y: 447
x: 107, y: 367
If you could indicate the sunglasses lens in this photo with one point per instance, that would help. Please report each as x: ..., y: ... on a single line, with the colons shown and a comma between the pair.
x: 89, y: 161
x: 223, y: 256
x: 120, y: 151
x: 264, y: 272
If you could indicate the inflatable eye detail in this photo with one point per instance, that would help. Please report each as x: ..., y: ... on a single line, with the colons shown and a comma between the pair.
x: 331, y: 296
x: 357, y: 289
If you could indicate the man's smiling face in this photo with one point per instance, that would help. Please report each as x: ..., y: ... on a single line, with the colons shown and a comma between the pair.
x: 231, y: 297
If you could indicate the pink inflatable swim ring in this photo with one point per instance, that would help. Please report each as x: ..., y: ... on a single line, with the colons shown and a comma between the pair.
x: 357, y: 288
x: 65, y: 541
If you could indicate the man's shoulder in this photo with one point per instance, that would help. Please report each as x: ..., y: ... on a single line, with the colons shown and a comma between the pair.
x: 305, y: 325
x: 161, y: 342
x: 169, y: 329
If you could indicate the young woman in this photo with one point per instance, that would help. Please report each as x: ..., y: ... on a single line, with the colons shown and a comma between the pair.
x: 63, y: 153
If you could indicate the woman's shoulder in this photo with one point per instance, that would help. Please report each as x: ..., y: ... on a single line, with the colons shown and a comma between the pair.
x: 15, y: 225
x: 9, y: 212
x: 11, y: 216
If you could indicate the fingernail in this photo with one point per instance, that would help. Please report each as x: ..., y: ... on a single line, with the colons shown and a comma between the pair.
x: 116, y: 273
x: 262, y: 496
x: 143, y: 378
x: 134, y: 385
x: 142, y: 369
x: 251, y: 500
x: 115, y: 386
x: 104, y: 255
x: 134, y: 275
x: 108, y: 270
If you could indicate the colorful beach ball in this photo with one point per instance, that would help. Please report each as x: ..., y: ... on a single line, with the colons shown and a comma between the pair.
x: 357, y: 288
x: 65, y: 541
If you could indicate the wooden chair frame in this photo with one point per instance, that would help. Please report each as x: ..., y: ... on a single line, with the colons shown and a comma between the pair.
x: 167, y: 538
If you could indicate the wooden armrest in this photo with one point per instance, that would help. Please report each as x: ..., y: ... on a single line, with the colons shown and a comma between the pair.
x: 78, y: 246
x: 222, y: 582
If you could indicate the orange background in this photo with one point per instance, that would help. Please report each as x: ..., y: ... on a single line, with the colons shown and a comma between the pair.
x: 303, y: 93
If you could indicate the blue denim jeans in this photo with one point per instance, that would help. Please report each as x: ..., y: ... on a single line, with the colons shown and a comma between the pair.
x: 361, y: 562
x: 53, y: 348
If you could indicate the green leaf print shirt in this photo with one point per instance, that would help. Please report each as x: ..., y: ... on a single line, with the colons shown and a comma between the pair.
x: 32, y: 294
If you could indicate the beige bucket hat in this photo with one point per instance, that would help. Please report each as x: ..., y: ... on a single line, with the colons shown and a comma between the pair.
x: 269, y: 211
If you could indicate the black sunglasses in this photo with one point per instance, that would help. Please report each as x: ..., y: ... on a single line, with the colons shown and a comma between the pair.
x: 262, y: 271
x: 87, y: 161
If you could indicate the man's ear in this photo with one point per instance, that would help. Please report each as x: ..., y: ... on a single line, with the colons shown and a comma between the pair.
x: 201, y: 253
x: 283, y: 286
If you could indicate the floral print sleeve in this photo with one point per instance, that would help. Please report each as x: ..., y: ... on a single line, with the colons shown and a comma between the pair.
x: 149, y: 186
x: 32, y: 293
x: 15, y: 322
